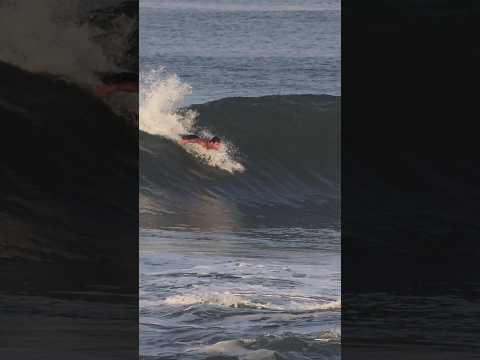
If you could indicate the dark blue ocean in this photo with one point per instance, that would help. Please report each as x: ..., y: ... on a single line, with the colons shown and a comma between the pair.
x: 244, y: 48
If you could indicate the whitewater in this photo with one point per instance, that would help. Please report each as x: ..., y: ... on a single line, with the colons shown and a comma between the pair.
x: 161, y: 96
x: 212, y: 298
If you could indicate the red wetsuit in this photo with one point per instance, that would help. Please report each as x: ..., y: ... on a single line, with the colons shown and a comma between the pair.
x: 207, y: 144
x: 107, y: 89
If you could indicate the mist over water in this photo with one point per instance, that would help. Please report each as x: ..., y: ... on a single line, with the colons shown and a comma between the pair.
x: 240, y: 249
x: 61, y: 39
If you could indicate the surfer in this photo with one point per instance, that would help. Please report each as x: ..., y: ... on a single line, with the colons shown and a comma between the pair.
x: 209, y: 144
x: 119, y: 82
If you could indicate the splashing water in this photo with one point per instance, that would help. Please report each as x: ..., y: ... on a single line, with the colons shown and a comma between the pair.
x: 53, y: 42
x: 160, y: 97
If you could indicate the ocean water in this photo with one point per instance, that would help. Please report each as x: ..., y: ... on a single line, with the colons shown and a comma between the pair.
x: 244, y: 48
x: 221, y: 296
x: 240, y: 248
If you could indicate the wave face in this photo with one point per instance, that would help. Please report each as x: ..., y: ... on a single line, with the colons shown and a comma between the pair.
x: 67, y: 173
x: 282, y: 153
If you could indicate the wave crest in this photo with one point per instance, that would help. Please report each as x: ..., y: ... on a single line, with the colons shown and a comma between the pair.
x: 161, y: 96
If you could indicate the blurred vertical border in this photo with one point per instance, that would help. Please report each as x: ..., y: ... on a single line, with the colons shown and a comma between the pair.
x: 69, y: 179
x: 410, y: 175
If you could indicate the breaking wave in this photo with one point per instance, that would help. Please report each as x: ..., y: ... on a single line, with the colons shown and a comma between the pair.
x: 160, y: 98
x: 280, y: 151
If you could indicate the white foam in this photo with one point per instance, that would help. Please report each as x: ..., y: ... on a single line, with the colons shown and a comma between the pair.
x: 161, y: 95
x: 239, y: 349
x: 220, y: 158
x: 225, y: 299
x: 230, y: 300
x: 230, y: 347
x: 331, y: 305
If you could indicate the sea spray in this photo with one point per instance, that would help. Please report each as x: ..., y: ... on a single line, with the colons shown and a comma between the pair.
x: 55, y: 41
x: 161, y: 96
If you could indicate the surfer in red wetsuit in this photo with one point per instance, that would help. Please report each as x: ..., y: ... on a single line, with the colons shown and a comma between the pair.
x: 209, y: 144
x: 121, y: 82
